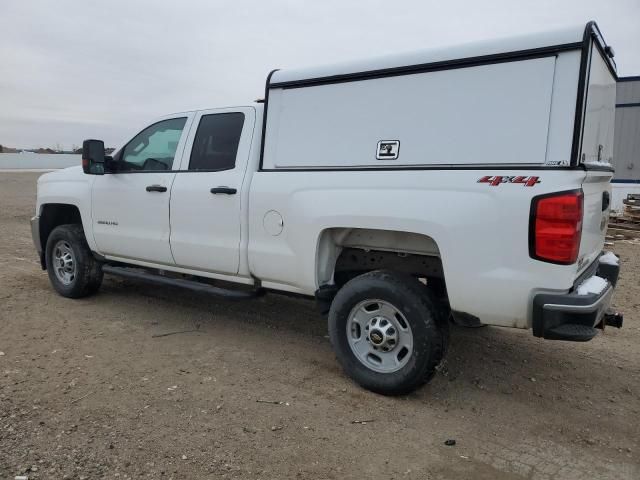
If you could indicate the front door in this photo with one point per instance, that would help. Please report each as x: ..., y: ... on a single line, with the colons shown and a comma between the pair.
x: 207, y: 200
x: 130, y: 207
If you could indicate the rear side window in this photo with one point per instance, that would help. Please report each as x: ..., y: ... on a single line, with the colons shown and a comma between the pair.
x: 216, y: 143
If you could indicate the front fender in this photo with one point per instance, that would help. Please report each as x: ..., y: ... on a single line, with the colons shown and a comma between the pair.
x: 70, y: 186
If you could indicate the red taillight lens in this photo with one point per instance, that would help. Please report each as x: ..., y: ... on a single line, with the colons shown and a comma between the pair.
x: 556, y: 227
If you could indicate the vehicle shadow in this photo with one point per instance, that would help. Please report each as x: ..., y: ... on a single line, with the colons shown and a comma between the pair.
x: 491, y: 360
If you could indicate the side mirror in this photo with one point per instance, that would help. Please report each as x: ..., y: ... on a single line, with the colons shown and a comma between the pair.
x: 93, y: 157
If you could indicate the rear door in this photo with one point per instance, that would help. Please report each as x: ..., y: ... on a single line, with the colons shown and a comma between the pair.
x: 206, y: 201
x: 597, y: 154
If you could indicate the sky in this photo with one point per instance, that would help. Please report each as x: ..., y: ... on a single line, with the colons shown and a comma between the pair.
x: 71, y: 69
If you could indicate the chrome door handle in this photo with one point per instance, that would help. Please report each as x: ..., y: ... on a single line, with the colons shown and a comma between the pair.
x: 156, y: 188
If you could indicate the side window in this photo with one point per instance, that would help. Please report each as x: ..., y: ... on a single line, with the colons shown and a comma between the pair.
x: 216, y: 143
x: 154, y: 148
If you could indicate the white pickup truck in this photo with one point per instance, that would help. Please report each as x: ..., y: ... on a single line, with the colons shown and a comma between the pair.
x: 468, y: 184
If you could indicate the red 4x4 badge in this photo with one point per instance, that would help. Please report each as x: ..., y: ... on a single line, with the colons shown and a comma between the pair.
x: 496, y: 180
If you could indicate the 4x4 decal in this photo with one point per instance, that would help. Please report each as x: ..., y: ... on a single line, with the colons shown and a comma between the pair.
x: 496, y: 180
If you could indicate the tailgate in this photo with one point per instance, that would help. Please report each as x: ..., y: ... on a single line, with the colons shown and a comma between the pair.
x: 597, y: 199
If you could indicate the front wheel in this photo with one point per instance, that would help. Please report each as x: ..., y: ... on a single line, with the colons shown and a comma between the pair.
x: 389, y: 333
x: 72, y: 269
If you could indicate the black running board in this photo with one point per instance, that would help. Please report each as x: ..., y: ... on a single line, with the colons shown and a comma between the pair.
x: 149, y: 277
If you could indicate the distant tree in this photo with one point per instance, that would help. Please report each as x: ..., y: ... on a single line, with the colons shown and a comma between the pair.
x: 0, y: 148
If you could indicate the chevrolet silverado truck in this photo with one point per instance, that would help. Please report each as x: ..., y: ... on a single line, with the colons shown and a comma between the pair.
x: 467, y: 184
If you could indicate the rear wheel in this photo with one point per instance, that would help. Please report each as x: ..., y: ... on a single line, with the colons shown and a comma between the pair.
x: 389, y: 333
x: 72, y: 269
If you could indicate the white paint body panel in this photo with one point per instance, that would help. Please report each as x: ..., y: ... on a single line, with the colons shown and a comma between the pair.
x: 481, y: 231
x: 141, y: 219
x: 469, y: 50
x: 141, y: 230
x: 69, y: 186
x: 206, y: 228
x: 597, y: 149
x: 437, y: 118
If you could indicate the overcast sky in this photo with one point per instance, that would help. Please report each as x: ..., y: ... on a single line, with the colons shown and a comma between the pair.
x: 72, y: 69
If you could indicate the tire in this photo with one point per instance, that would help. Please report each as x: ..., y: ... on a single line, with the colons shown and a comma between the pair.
x: 356, y: 327
x: 81, y: 274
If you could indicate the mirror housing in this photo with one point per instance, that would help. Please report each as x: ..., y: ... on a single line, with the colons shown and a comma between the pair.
x: 93, y: 157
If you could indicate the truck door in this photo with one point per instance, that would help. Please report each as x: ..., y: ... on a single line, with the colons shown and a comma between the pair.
x: 207, y: 204
x: 130, y: 206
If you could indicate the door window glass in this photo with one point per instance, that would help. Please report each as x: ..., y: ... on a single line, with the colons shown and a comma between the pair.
x: 154, y: 148
x: 216, y: 142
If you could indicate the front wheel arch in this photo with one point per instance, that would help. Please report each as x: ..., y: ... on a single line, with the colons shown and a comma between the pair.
x: 53, y: 215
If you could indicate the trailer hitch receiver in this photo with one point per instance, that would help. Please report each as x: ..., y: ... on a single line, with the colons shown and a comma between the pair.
x: 613, y: 319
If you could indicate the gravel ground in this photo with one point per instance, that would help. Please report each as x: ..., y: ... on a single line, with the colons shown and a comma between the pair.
x: 88, y: 391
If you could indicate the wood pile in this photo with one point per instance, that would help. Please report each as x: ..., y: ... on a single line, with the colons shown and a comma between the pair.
x: 626, y: 225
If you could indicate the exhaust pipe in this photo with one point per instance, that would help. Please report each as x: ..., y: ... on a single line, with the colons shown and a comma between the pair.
x: 613, y: 319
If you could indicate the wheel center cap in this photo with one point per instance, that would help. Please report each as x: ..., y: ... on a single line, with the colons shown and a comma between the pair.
x: 376, y: 337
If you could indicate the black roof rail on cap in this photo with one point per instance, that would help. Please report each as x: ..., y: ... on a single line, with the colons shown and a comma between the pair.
x: 591, y: 35
x: 593, y: 32
x: 632, y: 78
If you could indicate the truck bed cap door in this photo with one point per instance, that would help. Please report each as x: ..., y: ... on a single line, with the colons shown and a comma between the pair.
x: 596, y: 155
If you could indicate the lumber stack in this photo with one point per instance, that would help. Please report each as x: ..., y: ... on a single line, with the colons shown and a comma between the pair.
x: 626, y: 223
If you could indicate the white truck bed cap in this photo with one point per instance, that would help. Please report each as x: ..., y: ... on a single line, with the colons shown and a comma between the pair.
x: 569, y: 36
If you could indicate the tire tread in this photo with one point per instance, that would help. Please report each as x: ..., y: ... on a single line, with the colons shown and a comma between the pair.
x: 430, y: 313
x: 89, y: 274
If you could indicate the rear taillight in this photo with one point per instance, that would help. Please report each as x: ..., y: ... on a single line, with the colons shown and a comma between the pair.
x: 556, y: 227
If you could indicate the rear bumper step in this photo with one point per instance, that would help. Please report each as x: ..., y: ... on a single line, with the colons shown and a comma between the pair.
x: 196, y: 286
x: 573, y: 317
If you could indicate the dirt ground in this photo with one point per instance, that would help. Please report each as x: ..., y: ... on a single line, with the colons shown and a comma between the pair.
x: 87, y: 390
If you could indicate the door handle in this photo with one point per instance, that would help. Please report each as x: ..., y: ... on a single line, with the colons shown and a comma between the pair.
x: 156, y: 188
x: 225, y: 190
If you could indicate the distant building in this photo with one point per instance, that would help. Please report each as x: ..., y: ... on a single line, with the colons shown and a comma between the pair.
x: 626, y: 145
